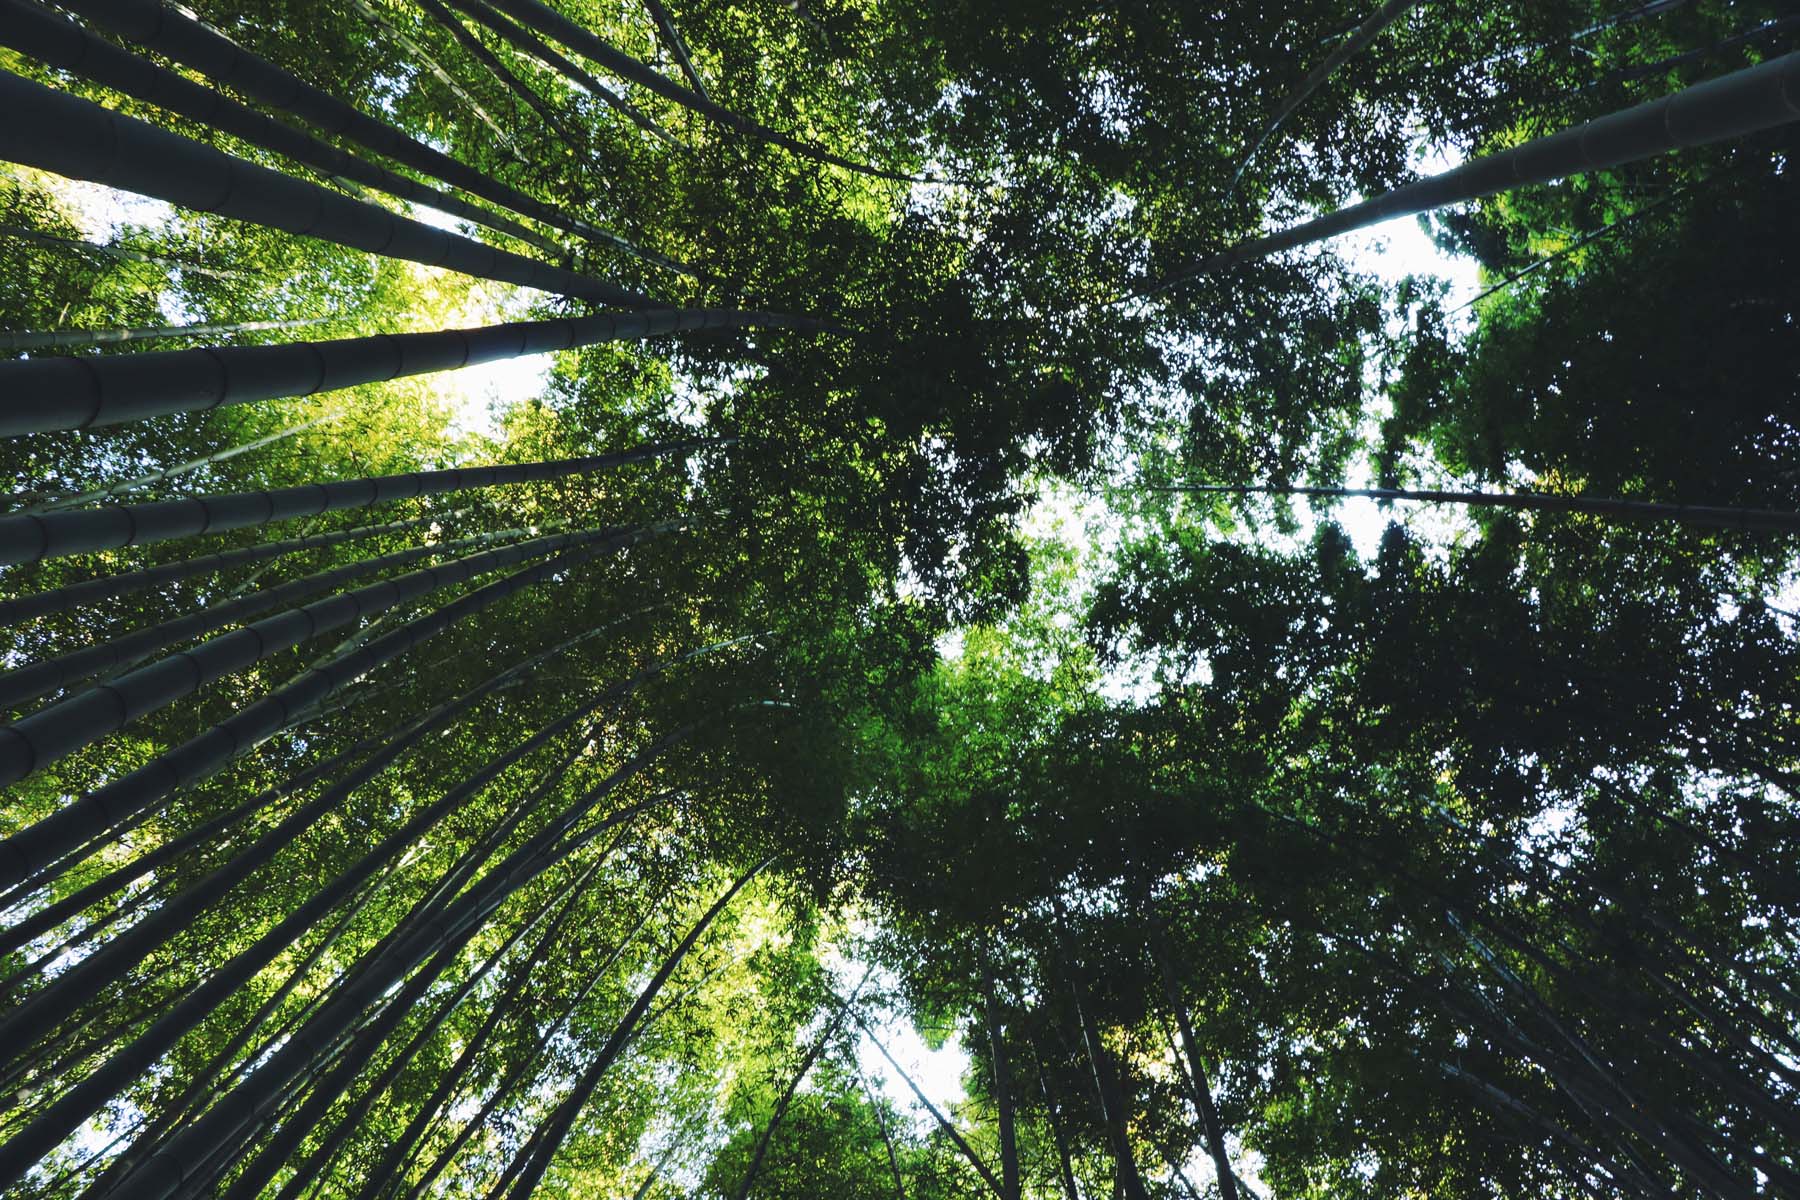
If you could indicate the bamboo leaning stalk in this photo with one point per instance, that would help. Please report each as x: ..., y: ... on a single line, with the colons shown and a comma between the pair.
x: 90, y: 816
x: 40, y: 678
x: 378, y: 1183
x: 794, y: 1081
x: 425, y: 58
x: 1691, y: 514
x: 476, y: 49
x: 107, y: 587
x: 1731, y: 106
x: 536, y: 1155
x: 235, y: 1116
x: 531, y: 45
x: 125, y: 254
x: 967, y: 1151
x: 554, y: 25
x: 49, y: 339
x: 54, y: 131
x: 665, y: 25
x: 164, y: 28
x: 1359, y: 40
x: 61, y: 1118
x: 138, y: 482
x: 60, y: 729
x: 17, y: 937
x: 81, y: 392
x: 58, y: 42
x: 53, y: 535
x: 284, y: 1146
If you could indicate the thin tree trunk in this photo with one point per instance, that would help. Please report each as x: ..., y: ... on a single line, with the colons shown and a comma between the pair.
x: 52, y: 39
x: 125, y: 254
x: 1361, y: 39
x: 54, y: 131
x: 138, y: 482
x: 943, y: 1123
x: 875, y: 1106
x: 1003, y: 1100
x: 1112, y: 1099
x: 794, y: 1081
x: 24, y: 1025
x: 529, y: 44
x: 1732, y: 106
x: 28, y: 682
x: 534, y: 1158
x: 293, y: 1129
x: 41, y: 922
x: 478, y: 50
x: 106, y: 587
x: 1665, y: 65
x: 76, y: 338
x: 78, y: 393
x: 554, y: 25
x: 431, y: 64
x: 1065, y: 1167
x: 55, y: 535
x: 164, y: 28
x: 1692, y: 514
x: 91, y: 815
x: 66, y: 726
x: 225, y: 1125
x: 1194, y: 1075
x: 516, y: 1075
x: 665, y: 25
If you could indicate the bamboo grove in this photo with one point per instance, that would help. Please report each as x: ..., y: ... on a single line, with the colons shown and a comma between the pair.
x: 582, y: 579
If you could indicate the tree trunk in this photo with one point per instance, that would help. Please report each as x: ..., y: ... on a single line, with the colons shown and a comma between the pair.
x: 1359, y: 40
x: 875, y: 1106
x: 554, y: 25
x: 1194, y: 1076
x: 226, y: 1123
x: 943, y: 1122
x: 532, y: 46
x: 1003, y: 1101
x: 36, y: 679
x: 106, y: 587
x: 1690, y: 514
x: 54, y: 535
x: 102, y: 494
x: 534, y: 1157
x: 164, y: 28
x: 787, y: 1095
x: 54, y: 40
x: 437, y: 72
x: 28, y: 1022
x: 60, y: 729
x: 1112, y: 1098
x: 1732, y: 106
x: 478, y: 50
x: 78, y: 393
x: 54, y: 131
x: 64, y: 338
x: 665, y: 25
x: 90, y: 816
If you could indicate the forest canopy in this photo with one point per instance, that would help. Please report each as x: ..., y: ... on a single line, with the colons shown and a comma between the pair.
x: 799, y: 599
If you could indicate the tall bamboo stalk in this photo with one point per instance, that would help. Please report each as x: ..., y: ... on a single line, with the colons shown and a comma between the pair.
x: 165, y: 28
x: 53, y: 535
x: 78, y: 393
x: 1732, y: 106
x: 1716, y: 516
x: 30, y: 29
x: 55, y: 131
